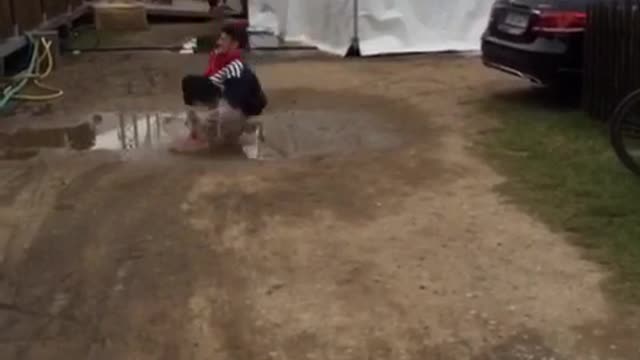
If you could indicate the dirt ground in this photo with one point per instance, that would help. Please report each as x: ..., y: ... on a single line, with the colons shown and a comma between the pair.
x: 402, y: 251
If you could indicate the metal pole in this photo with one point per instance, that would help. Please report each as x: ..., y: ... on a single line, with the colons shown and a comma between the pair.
x: 355, y: 40
x: 356, y: 8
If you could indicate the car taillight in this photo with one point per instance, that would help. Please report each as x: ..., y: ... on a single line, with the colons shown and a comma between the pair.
x: 560, y: 21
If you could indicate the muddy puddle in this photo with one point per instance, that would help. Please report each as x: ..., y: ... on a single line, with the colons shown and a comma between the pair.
x: 287, y: 135
x: 135, y: 135
x: 119, y: 131
x: 138, y: 135
x: 303, y: 133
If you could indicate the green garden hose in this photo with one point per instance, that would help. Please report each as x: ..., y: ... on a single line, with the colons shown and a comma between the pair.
x: 33, y: 74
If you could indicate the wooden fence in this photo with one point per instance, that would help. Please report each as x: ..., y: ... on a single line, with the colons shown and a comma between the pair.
x: 18, y: 16
x: 6, y: 21
x: 612, y: 55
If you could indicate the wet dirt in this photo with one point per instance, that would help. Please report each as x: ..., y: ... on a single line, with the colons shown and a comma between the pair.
x: 300, y: 131
x: 391, y: 245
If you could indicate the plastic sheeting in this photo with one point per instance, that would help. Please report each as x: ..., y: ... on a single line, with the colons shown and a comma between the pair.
x: 384, y: 26
x: 326, y: 24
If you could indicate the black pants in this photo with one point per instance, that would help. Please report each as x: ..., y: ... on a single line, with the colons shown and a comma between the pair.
x: 199, y: 90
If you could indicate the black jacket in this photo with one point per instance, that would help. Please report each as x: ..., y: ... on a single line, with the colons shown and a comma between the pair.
x: 241, y: 88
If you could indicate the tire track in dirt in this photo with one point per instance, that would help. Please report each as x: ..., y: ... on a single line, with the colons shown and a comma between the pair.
x: 344, y: 257
x: 405, y: 253
x: 111, y: 271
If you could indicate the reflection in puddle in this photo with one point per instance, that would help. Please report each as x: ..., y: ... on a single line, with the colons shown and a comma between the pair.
x: 134, y: 131
x: 289, y: 135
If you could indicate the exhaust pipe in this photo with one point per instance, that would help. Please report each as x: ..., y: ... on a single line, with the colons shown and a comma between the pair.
x: 514, y: 72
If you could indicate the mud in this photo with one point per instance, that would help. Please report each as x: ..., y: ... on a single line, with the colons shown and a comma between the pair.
x: 75, y: 136
x: 302, y: 130
x: 526, y: 345
x: 323, y: 132
x: 392, y: 244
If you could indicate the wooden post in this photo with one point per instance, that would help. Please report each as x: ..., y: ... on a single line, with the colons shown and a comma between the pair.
x: 218, y: 18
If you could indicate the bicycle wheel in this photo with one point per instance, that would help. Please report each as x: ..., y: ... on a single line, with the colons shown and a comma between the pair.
x: 624, y: 132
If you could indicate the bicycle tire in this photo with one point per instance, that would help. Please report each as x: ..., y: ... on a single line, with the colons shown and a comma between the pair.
x: 615, y: 130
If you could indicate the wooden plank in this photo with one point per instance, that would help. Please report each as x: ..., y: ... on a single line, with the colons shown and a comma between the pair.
x: 6, y: 22
x: 28, y: 14
x: 613, y: 61
x: 76, y: 3
x: 634, y: 43
x: 11, y: 45
x: 587, y: 61
x: 634, y: 51
x: 625, y: 72
x: 53, y: 8
x: 592, y: 59
x: 600, y: 31
x: 65, y: 18
x: 120, y: 17
x: 604, y: 70
x: 612, y: 52
x: 180, y: 8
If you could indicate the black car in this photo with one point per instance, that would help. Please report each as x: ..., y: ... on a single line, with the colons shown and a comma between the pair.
x: 539, y: 40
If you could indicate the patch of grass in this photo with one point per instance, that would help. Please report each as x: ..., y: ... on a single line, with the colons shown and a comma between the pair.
x: 90, y: 38
x: 561, y: 168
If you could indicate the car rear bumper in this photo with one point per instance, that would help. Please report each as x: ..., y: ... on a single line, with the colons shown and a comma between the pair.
x: 537, y: 67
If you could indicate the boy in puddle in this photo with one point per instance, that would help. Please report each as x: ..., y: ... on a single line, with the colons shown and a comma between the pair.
x: 229, y: 88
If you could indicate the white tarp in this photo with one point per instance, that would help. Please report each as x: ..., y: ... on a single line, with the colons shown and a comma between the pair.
x: 326, y: 24
x: 385, y: 26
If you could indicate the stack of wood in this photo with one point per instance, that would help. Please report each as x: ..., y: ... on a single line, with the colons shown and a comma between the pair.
x: 120, y: 15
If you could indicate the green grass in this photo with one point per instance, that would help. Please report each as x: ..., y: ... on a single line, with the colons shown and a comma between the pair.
x: 561, y: 168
